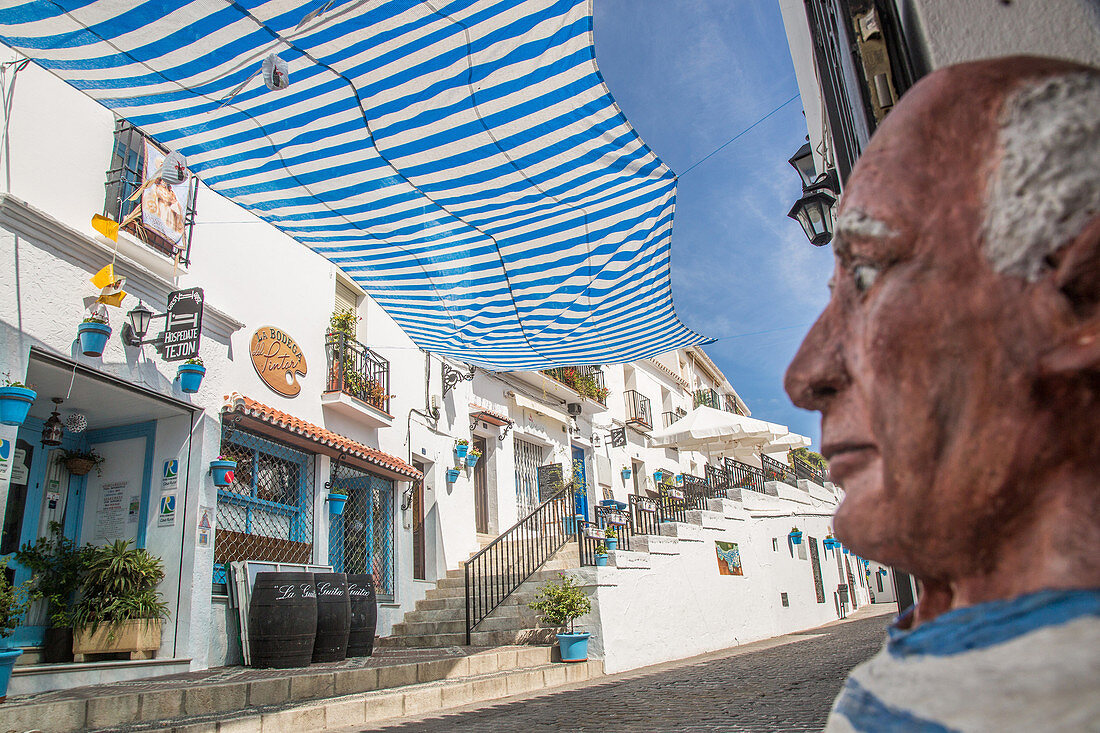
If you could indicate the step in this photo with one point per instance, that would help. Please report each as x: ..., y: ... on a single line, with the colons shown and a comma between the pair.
x: 628, y: 560
x: 520, y: 597
x: 683, y: 531
x: 538, y: 576
x: 358, y: 709
x: 60, y: 713
x: 655, y: 544
x: 478, y: 638
x: 505, y: 610
x: 706, y: 519
x: 457, y: 622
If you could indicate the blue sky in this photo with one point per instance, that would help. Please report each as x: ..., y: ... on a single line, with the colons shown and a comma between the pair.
x: 691, y: 74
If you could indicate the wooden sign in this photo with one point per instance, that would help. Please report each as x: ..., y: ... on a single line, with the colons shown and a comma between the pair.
x: 278, y: 360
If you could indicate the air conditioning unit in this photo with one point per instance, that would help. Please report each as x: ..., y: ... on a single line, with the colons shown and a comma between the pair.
x: 574, y: 408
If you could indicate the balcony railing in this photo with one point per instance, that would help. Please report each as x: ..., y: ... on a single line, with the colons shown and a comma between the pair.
x: 805, y: 470
x: 357, y: 371
x: 708, y: 397
x: 744, y: 476
x: 585, y: 380
x: 732, y: 406
x: 670, y: 417
x: 776, y: 471
x: 637, y: 409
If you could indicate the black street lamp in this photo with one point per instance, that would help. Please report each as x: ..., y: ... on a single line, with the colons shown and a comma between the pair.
x: 814, y: 211
x: 140, y: 317
x: 803, y: 162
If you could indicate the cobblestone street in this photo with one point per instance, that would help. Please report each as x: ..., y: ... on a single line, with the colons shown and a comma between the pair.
x: 778, y: 685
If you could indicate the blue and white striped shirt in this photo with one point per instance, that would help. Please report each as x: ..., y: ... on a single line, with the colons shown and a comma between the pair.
x: 1027, y: 664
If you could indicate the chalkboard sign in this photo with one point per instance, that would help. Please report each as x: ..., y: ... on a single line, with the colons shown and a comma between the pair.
x: 181, y: 334
x: 550, y: 480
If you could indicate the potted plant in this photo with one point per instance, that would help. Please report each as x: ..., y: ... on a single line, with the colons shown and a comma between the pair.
x: 80, y: 462
x: 626, y: 473
x: 472, y: 456
x: 452, y: 475
x: 93, y: 334
x: 14, y: 601
x: 120, y: 609
x: 336, y: 501
x: 658, y: 475
x: 796, y: 536
x: 601, y: 555
x: 190, y: 374
x: 829, y: 543
x: 611, y: 537
x: 461, y: 447
x: 16, y: 399
x: 58, y: 566
x: 221, y: 469
x: 560, y: 603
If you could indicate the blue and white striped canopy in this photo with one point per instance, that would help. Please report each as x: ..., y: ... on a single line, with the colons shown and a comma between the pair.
x: 462, y: 160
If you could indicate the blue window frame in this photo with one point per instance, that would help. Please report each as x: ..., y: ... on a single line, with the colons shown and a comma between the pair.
x: 361, y: 539
x: 266, y: 513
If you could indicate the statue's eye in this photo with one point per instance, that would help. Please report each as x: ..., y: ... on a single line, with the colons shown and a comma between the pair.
x: 864, y: 277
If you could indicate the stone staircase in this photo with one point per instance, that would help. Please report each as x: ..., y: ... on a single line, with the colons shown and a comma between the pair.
x: 439, y: 619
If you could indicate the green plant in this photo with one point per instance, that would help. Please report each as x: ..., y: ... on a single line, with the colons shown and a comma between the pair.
x: 343, y: 321
x: 14, y: 601
x: 9, y: 383
x: 120, y: 585
x: 795, y: 530
x: 354, y: 382
x: 812, y: 457
x: 474, y: 453
x: 610, y: 533
x: 58, y: 566
x: 84, y: 455
x: 95, y: 318
x: 601, y: 549
x: 194, y: 360
x: 462, y: 441
x: 561, y: 602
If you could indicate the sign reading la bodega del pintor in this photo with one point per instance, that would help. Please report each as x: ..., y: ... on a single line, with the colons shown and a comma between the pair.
x: 278, y: 360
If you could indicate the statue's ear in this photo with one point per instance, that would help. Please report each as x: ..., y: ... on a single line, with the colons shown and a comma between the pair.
x: 1077, y: 278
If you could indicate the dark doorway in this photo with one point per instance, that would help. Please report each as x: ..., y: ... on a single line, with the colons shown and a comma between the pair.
x: 418, y: 523
x: 903, y: 588
x: 481, y: 488
x: 815, y: 562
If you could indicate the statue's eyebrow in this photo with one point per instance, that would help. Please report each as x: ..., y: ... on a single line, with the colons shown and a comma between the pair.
x: 858, y: 224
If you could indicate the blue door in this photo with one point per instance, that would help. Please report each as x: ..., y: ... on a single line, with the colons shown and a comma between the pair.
x: 580, y: 496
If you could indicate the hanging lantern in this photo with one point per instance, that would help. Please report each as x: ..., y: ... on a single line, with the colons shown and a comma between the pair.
x: 276, y: 72
x: 53, y: 430
x: 814, y: 212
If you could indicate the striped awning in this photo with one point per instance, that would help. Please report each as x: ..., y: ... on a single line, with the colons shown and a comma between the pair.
x: 462, y: 161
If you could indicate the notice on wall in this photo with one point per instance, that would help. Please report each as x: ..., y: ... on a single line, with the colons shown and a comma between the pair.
x: 135, y: 510
x: 166, y: 511
x: 169, y: 474
x: 550, y: 480
x: 110, y: 515
x: 206, y: 526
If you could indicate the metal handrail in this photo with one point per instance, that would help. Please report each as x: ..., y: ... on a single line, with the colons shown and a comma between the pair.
x: 498, y: 569
x: 587, y: 381
x: 806, y: 470
x: 355, y: 370
x: 776, y: 471
x: 637, y: 408
x: 745, y: 476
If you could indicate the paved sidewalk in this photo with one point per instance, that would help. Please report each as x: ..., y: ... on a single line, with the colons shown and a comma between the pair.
x: 782, y: 684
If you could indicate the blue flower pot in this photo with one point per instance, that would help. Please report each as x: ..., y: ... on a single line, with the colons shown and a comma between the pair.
x: 796, y: 538
x: 471, y: 460
x: 612, y: 543
x: 452, y: 475
x: 222, y: 472
x: 601, y: 561
x: 93, y: 337
x: 658, y: 476
x: 846, y: 552
x: 461, y: 450
x: 626, y: 474
x: 336, y: 504
x: 574, y: 647
x: 190, y: 376
x: 15, y: 402
x: 620, y: 505
x: 8, y: 656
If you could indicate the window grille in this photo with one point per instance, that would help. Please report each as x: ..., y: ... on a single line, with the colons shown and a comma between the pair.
x: 361, y: 539
x: 528, y: 458
x: 266, y: 513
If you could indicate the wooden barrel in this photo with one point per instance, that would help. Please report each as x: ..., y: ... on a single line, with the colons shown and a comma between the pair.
x: 333, y: 617
x: 282, y: 620
x: 364, y: 614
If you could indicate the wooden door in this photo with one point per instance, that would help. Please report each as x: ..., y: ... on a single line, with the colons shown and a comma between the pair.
x: 418, y: 525
x: 481, y: 489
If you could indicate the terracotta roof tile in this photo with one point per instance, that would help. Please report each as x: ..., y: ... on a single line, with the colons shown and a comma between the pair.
x: 482, y: 410
x: 245, y: 405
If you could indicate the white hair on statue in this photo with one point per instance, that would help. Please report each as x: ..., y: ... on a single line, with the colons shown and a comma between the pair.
x: 1047, y: 185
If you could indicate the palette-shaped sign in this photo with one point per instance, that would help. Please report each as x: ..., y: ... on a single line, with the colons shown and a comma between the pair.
x: 278, y: 360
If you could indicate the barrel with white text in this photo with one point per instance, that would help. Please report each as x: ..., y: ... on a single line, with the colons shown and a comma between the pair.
x: 282, y: 620
x: 364, y: 614
x: 333, y: 617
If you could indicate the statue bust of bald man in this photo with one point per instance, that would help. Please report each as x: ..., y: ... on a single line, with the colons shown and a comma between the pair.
x: 957, y: 371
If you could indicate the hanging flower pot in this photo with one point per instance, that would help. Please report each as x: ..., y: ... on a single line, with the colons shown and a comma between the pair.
x: 626, y: 474
x: 452, y: 475
x: 846, y: 552
x: 658, y: 476
x: 221, y: 469
x: 336, y: 503
x: 190, y: 375
x: 471, y: 458
x: 15, y: 403
x: 461, y: 447
x: 93, y: 335
x: 795, y: 536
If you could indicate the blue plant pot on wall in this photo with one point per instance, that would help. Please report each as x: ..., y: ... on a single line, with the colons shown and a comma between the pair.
x: 8, y: 655
x: 15, y: 403
x: 612, y: 543
x: 93, y: 337
x: 471, y: 460
x: 336, y: 503
x: 461, y: 450
x: 796, y: 538
x: 574, y: 647
x: 222, y: 472
x: 626, y: 474
x: 190, y: 376
x: 452, y: 475
x: 601, y: 561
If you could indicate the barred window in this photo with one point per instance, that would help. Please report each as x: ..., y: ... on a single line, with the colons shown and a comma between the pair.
x: 361, y: 539
x: 266, y: 513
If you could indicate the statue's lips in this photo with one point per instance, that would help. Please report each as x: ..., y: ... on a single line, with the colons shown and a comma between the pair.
x: 846, y: 458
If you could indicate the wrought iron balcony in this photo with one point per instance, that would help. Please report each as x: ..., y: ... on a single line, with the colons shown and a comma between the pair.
x: 803, y: 469
x: 744, y: 476
x: 732, y: 406
x: 587, y: 381
x: 708, y: 397
x: 776, y: 471
x: 670, y: 417
x: 638, y: 410
x: 355, y: 370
